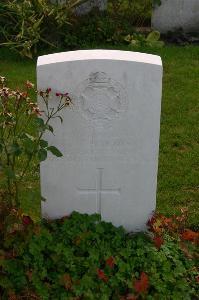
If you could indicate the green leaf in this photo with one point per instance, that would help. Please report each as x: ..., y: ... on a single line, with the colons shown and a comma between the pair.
x: 157, y: 2
x: 61, y: 119
x: 29, y: 145
x: 42, y: 154
x: 157, y: 44
x: 37, y: 24
x: 153, y: 36
x: 32, y: 138
x: 26, y: 53
x: 9, y: 173
x: 50, y: 128
x: 39, y: 121
x: 43, y: 143
x: 55, y: 151
x: 134, y: 43
x: 128, y: 38
x: 5, y: 283
x: 14, y: 149
x: 30, y: 194
x: 43, y: 199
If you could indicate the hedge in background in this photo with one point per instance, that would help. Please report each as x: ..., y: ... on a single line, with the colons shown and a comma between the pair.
x: 30, y: 26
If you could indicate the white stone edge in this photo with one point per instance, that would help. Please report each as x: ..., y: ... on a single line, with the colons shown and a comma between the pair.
x: 80, y: 55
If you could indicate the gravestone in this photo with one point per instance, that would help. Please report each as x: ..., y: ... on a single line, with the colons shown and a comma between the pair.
x: 173, y: 15
x: 86, y: 7
x: 89, y: 5
x: 109, y: 137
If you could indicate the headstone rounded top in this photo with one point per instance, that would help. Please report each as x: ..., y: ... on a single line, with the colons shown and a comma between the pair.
x: 99, y: 55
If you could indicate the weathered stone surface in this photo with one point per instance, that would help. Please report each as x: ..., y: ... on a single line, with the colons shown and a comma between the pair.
x: 87, y: 6
x: 172, y: 15
x: 109, y: 138
x: 90, y: 4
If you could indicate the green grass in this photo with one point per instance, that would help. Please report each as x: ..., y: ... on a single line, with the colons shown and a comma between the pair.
x: 178, y: 177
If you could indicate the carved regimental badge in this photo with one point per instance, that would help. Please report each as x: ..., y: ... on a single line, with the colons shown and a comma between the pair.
x: 101, y: 99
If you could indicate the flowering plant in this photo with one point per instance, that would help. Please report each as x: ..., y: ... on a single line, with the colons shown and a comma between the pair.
x: 21, y: 147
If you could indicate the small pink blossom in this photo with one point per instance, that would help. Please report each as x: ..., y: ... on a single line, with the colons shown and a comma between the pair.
x: 29, y: 84
x: 26, y: 220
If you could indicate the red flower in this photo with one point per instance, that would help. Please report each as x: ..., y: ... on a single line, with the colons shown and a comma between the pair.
x: 110, y: 262
x: 67, y: 281
x: 158, y: 241
x: 24, y: 95
x: 48, y: 90
x: 189, y: 235
x: 12, y: 296
x: 102, y: 275
x: 26, y: 220
x: 142, y: 285
x: 131, y: 297
x: 58, y: 94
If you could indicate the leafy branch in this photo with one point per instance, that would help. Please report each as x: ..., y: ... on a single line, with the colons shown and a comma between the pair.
x: 20, y: 149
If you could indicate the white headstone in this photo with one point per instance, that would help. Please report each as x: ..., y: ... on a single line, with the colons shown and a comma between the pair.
x: 173, y: 15
x: 109, y: 137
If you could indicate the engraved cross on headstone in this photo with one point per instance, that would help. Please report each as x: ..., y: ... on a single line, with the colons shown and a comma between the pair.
x: 98, y: 190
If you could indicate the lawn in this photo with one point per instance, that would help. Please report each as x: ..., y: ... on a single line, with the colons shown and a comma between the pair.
x: 178, y: 177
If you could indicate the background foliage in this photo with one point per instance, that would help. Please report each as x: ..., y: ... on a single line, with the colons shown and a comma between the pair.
x: 30, y: 26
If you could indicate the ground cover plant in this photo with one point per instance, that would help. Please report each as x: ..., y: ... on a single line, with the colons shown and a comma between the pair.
x: 81, y: 257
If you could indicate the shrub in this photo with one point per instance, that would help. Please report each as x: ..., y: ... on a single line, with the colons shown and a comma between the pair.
x: 29, y: 25
x: 136, y: 13
x: 32, y: 26
x: 97, y: 28
x: 21, y: 147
